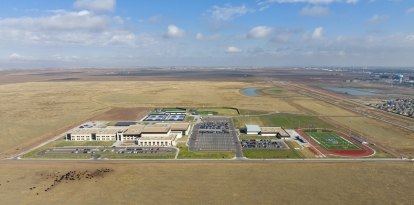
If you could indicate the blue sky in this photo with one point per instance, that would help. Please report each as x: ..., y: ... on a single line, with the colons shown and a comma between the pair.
x: 110, y: 33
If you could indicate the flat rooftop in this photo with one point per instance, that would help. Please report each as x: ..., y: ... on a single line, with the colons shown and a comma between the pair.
x: 253, y: 128
x: 157, y: 128
x: 134, y: 130
x: 269, y: 130
x: 87, y: 131
x: 172, y: 136
x: 177, y: 126
x: 275, y: 130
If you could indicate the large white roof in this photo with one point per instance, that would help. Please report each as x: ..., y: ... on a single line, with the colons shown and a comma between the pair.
x: 253, y: 128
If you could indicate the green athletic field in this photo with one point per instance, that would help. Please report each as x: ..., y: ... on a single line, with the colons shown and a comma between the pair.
x: 331, y: 141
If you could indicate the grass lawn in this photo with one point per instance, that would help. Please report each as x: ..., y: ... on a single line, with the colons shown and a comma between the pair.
x: 301, y: 151
x: 189, y: 118
x: 62, y: 143
x: 252, y: 112
x: 270, y: 153
x: 282, y: 120
x: 139, y: 156
x: 33, y: 155
x: 218, y: 111
x: 246, y: 137
x: 185, y: 153
x: 379, y: 153
x: 277, y: 92
x: 331, y: 141
x: 182, y: 139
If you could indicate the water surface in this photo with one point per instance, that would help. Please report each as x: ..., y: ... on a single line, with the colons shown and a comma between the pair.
x: 251, y: 92
x: 352, y: 91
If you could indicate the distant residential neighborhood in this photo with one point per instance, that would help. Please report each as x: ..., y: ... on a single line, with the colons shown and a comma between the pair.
x: 398, y: 106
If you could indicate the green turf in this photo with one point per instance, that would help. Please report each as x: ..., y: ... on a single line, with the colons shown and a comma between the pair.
x: 282, y: 120
x: 257, y: 137
x: 331, y: 141
x: 293, y: 121
x: 252, y: 112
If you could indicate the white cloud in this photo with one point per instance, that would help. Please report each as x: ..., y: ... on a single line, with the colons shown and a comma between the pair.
x: 312, y: 1
x: 124, y: 38
x: 314, y: 11
x: 284, y: 35
x: 199, y: 36
x: 203, y: 37
x: 60, y: 20
x: 174, y: 32
x: 410, y: 38
x: 410, y: 10
x: 16, y: 56
x: 317, y: 33
x: 228, y: 12
x: 155, y: 19
x: 67, y: 28
x: 259, y: 32
x: 67, y: 58
x: 233, y: 49
x: 96, y: 5
x: 377, y: 19
x: 351, y: 1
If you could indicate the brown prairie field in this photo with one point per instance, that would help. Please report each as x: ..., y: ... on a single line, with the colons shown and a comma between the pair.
x: 208, y: 183
x: 31, y: 110
x: 34, y: 111
x: 399, y: 140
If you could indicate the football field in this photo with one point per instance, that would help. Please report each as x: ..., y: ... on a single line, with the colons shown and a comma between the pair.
x: 331, y: 140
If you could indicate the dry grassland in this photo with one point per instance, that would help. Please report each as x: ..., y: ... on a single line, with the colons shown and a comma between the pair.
x: 123, y: 114
x: 31, y: 110
x: 322, y: 108
x: 207, y: 183
x: 396, y: 139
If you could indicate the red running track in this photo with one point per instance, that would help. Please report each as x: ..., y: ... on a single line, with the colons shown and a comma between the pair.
x: 364, y: 152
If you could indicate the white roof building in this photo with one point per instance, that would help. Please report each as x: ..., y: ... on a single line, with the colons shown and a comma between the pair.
x: 252, y: 129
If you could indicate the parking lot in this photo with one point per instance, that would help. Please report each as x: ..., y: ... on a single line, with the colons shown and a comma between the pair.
x: 103, y: 152
x: 263, y: 144
x: 165, y: 117
x: 214, y: 134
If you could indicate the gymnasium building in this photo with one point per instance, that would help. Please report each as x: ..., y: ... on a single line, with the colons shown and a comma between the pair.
x: 158, y: 134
